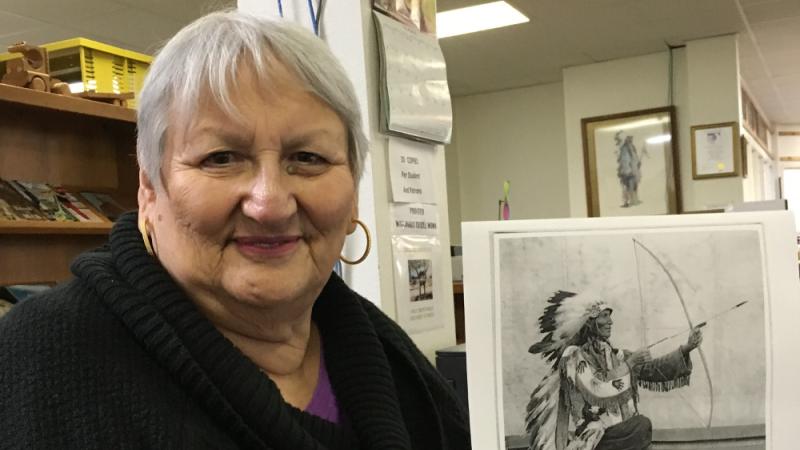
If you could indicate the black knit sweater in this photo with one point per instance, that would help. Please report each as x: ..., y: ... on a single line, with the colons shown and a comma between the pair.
x: 120, y: 358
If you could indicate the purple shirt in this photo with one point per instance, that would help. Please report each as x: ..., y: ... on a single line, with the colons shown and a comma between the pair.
x: 323, y: 403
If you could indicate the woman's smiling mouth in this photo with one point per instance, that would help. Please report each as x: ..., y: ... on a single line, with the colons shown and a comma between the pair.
x: 267, y: 246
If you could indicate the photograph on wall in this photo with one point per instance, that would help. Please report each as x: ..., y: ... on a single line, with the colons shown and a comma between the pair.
x: 625, y: 334
x: 715, y: 150
x: 629, y: 163
x: 420, y: 280
x: 418, y: 293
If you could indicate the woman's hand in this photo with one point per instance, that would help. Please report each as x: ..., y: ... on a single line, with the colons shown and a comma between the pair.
x: 694, y: 341
x: 638, y: 358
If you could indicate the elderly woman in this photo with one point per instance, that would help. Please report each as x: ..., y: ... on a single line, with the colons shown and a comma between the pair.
x: 212, y: 318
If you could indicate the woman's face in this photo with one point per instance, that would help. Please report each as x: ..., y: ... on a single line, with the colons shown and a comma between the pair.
x: 254, y: 210
x: 604, y: 323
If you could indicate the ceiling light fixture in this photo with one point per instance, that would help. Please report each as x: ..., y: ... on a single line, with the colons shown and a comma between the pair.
x: 477, y: 18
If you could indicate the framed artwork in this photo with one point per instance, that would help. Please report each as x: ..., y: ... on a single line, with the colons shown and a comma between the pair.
x: 582, y: 330
x: 630, y: 162
x: 715, y: 150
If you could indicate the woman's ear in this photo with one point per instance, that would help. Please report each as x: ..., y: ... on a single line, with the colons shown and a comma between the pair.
x: 351, y: 227
x: 146, y: 195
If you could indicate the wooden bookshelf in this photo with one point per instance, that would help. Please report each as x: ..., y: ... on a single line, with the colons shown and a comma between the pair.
x: 47, y: 227
x: 64, y: 141
x: 73, y: 105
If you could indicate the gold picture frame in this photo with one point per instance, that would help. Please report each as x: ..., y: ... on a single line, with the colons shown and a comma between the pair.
x: 716, y: 150
x: 631, y: 163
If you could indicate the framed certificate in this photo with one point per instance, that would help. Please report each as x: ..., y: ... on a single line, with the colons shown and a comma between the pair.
x: 715, y: 151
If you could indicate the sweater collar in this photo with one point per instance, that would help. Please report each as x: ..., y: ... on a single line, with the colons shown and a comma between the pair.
x: 228, y: 384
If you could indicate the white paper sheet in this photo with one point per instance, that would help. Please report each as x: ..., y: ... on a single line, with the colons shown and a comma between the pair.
x: 411, y: 171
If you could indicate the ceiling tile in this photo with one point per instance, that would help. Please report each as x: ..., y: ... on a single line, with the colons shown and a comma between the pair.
x: 747, y: 48
x: 133, y: 29
x: 783, y: 62
x: 778, y: 33
x: 41, y: 35
x: 752, y: 70
x: 756, y: 2
x: 772, y: 10
x: 61, y: 12
x: 791, y: 83
x: 12, y: 23
x: 750, y: 63
x: 183, y: 11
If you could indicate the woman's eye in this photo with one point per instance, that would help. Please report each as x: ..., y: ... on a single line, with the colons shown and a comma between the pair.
x: 308, y: 158
x: 221, y: 158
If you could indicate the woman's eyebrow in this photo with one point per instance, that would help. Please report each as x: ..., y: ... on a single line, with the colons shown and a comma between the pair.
x: 306, y: 136
x: 239, y: 138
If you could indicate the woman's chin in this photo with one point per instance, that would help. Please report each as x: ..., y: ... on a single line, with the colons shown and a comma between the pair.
x: 262, y: 290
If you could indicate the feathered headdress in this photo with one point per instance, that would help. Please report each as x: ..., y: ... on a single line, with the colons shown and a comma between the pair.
x: 561, y: 321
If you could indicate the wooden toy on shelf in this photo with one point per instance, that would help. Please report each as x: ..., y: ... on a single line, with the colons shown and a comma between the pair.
x: 32, y: 70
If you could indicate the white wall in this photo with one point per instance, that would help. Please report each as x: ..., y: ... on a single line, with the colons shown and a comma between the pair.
x: 789, y: 145
x: 610, y: 87
x: 515, y: 135
x: 705, y: 91
x: 712, y: 96
x: 350, y: 32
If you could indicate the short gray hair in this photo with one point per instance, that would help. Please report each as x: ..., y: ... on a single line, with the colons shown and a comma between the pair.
x: 205, y: 56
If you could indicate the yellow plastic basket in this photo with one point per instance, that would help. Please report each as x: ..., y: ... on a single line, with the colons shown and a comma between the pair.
x: 99, y: 67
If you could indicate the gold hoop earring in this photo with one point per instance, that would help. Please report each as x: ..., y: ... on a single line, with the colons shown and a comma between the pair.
x: 145, y: 237
x: 366, y: 250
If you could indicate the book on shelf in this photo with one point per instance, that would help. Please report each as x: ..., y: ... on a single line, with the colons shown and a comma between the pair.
x: 28, y: 200
x: 44, y: 197
x: 16, y: 206
x: 105, y: 204
x: 78, y: 207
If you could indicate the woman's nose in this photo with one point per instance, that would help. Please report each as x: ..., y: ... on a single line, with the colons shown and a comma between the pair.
x: 270, y: 197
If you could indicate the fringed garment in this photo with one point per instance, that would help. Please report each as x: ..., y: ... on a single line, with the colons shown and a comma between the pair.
x: 599, y: 390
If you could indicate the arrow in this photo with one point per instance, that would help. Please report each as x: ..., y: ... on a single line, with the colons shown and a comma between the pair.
x: 699, y: 325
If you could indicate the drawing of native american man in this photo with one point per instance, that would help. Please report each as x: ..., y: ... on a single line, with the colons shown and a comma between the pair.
x: 589, y: 400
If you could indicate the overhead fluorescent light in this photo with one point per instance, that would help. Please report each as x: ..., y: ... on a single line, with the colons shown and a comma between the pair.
x: 477, y: 18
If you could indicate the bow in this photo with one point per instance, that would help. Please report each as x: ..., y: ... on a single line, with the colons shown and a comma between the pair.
x: 688, y: 320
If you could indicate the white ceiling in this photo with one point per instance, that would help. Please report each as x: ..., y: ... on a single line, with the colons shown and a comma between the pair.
x: 561, y: 33
x: 139, y: 25
x: 564, y: 33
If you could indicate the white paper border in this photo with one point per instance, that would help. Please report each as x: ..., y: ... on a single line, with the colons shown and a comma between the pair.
x: 781, y: 313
